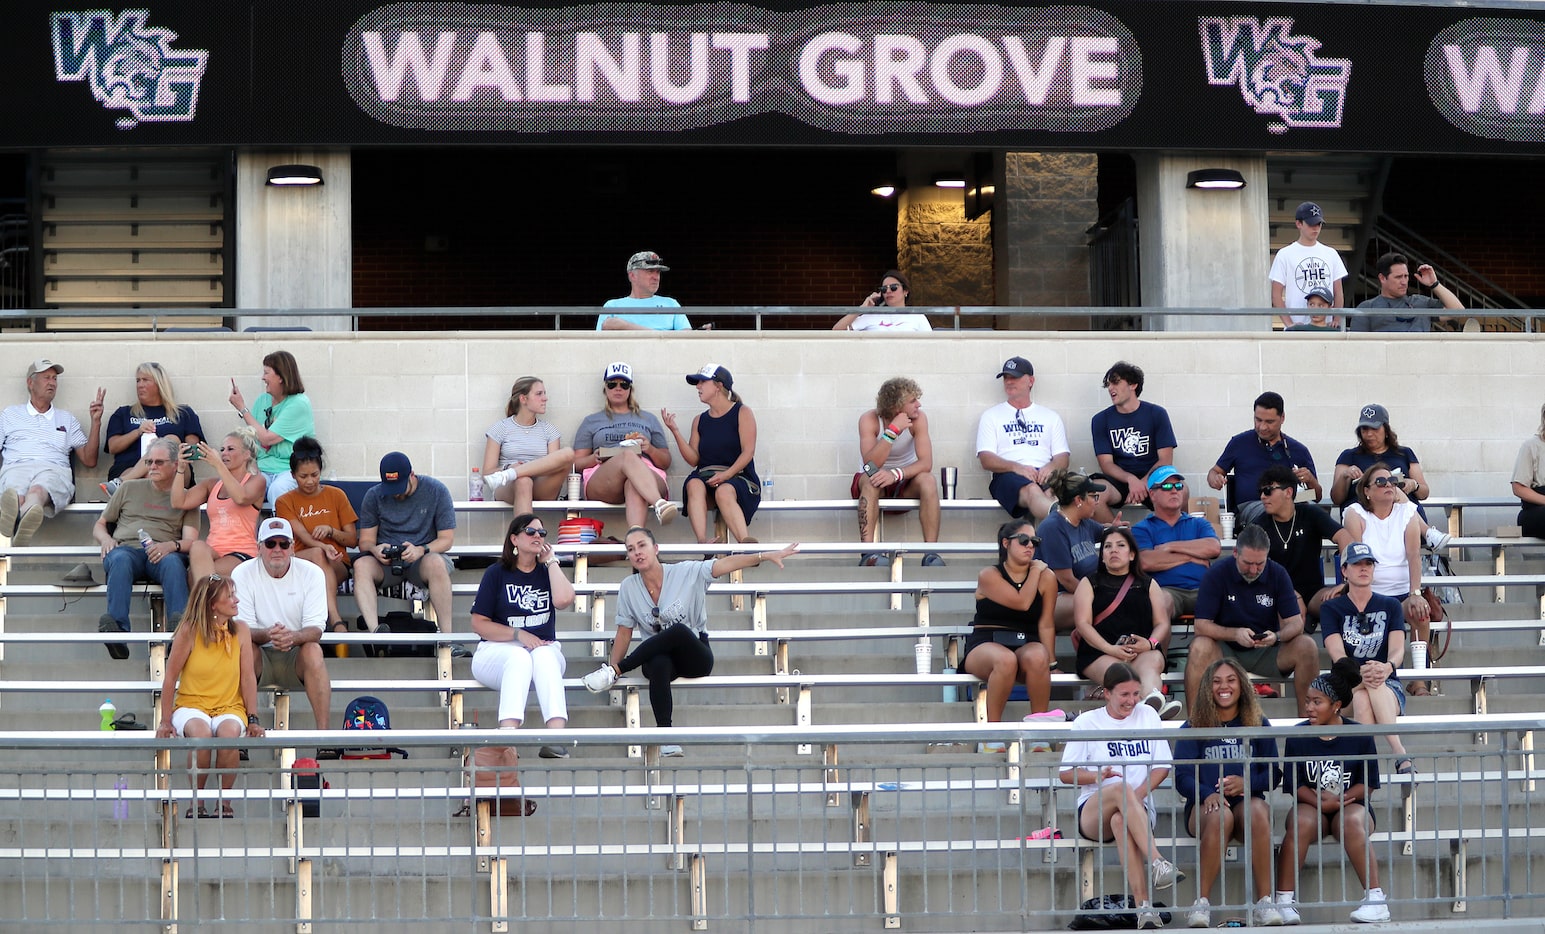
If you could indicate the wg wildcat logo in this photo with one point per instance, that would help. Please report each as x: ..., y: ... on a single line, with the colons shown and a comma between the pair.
x: 1278, y: 73
x: 128, y: 64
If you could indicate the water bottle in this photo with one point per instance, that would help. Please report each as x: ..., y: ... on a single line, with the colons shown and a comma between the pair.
x: 475, y: 485
x: 108, y: 712
x: 144, y: 540
x: 120, y: 804
x: 769, y: 493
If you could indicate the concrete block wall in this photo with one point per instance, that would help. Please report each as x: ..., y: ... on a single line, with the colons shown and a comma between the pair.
x: 1454, y: 398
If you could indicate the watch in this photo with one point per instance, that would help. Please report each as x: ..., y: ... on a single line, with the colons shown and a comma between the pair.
x: 1415, y: 593
x: 252, y: 719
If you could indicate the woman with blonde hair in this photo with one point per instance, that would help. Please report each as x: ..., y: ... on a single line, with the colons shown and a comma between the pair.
x: 210, y: 686
x: 524, y: 459
x: 621, y: 452
x: 722, y: 452
x: 234, y: 496
x: 155, y: 413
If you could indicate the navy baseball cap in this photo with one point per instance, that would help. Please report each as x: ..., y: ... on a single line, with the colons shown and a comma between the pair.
x: 1016, y: 366
x: 1356, y: 552
x: 1321, y: 292
x: 395, y: 471
x: 1309, y: 213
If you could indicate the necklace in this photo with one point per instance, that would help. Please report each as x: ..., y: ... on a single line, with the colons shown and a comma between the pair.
x: 1291, y: 525
x: 1018, y: 584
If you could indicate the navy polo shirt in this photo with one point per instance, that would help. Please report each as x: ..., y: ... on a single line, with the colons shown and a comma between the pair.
x: 1226, y: 598
x: 1249, y: 457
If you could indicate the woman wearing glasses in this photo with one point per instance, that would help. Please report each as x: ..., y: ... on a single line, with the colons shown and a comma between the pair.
x: 722, y: 453
x: 155, y: 413
x: 215, y: 686
x: 1389, y: 526
x: 234, y: 495
x: 667, y: 603
x: 524, y: 459
x: 891, y: 295
x: 622, y: 453
x: 515, y: 613
x: 324, y: 522
x: 280, y: 416
x: 1120, y: 616
x: 1012, y: 637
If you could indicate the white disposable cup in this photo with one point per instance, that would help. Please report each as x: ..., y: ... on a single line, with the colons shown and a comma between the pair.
x: 145, y: 441
x: 1418, y: 654
x: 1226, y: 519
x: 574, y: 488
x: 924, y: 653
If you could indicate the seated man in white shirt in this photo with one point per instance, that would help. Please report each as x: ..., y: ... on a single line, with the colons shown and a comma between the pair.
x: 36, y: 440
x: 284, y: 604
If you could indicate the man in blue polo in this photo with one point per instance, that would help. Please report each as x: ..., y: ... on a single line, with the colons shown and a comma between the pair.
x: 1246, y: 609
x: 1174, y: 548
x: 1249, y: 453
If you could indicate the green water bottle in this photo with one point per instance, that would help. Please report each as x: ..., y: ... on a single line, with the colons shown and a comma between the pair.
x: 109, y: 713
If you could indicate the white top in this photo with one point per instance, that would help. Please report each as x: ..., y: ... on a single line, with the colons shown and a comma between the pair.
x: 1387, y: 538
x: 1135, y: 757
x: 521, y: 444
x: 298, y: 599
x: 1031, y: 436
x: 1299, y: 268
x: 903, y: 451
x: 29, y: 435
x: 891, y: 321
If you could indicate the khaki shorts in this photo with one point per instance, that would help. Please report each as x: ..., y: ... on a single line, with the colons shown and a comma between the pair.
x: 1184, y: 600
x: 1258, y: 661
x: 279, y: 669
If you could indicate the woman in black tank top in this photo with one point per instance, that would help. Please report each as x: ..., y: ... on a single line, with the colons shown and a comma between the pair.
x: 1012, y: 635
x: 1119, y: 616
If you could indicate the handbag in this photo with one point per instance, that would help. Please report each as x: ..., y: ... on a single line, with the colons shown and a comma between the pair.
x: 1105, y: 613
x: 495, y: 770
x: 713, y: 470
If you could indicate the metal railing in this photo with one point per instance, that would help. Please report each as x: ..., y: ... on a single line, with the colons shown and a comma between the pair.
x: 739, y: 835
x: 1476, y: 291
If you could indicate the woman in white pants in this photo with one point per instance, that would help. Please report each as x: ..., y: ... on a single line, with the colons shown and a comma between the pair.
x: 514, y: 612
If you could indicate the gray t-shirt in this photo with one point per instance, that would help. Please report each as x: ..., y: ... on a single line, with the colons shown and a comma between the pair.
x: 600, y: 431
x: 1418, y: 324
x: 417, y: 519
x: 682, y: 599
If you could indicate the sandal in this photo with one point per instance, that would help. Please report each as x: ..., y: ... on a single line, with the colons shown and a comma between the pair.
x: 503, y: 807
x: 1418, y: 689
x: 1404, y: 766
x: 188, y: 815
x: 226, y: 811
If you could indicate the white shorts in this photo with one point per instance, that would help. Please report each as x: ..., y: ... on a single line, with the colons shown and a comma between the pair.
x: 182, y: 716
x: 57, y: 480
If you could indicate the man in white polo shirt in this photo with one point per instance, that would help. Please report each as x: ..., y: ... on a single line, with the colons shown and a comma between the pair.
x: 35, y: 443
x: 284, y: 604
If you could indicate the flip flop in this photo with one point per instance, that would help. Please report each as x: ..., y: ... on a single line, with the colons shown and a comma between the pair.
x: 201, y: 813
x: 1404, y: 766
x: 226, y: 811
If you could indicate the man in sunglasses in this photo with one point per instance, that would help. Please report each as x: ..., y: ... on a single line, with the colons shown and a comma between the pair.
x: 284, y: 604
x: 1174, y: 548
x: 644, y: 280
x: 1298, y: 532
x: 417, y: 515
x: 138, y: 507
x: 1020, y: 443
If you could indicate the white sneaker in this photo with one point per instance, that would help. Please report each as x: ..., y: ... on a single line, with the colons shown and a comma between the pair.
x: 1200, y: 915
x: 1155, y: 700
x: 497, y: 479
x: 1148, y: 919
x: 670, y: 751
x: 1163, y: 873
x: 1436, y: 541
x: 1371, y: 912
x: 665, y: 511
x: 601, y: 679
x: 1171, y: 710
x: 1265, y: 914
x: 1288, y: 912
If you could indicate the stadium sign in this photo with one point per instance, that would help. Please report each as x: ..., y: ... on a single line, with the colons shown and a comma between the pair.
x: 1486, y: 76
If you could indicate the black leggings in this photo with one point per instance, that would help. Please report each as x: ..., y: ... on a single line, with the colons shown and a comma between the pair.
x: 677, y: 652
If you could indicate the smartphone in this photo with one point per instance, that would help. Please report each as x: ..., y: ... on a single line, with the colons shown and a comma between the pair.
x: 190, y: 452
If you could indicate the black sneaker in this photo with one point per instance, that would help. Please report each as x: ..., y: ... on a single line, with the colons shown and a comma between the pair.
x: 118, y: 650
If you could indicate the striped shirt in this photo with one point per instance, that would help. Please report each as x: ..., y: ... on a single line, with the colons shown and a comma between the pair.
x: 29, y: 435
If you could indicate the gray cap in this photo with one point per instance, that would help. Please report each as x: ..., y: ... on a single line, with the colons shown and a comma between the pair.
x: 1373, y: 416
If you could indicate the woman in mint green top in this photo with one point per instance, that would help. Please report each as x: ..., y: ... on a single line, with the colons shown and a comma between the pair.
x: 281, y: 416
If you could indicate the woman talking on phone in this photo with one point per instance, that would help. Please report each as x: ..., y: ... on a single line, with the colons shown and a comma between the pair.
x: 891, y: 297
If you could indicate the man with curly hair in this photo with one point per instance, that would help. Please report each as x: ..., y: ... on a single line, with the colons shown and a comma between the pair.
x: 897, y: 456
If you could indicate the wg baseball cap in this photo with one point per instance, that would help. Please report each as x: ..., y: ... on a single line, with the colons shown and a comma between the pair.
x: 1016, y: 366
x: 617, y: 371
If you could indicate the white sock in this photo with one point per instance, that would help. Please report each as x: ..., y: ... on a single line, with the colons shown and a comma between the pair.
x: 1375, y: 894
x: 1285, y: 898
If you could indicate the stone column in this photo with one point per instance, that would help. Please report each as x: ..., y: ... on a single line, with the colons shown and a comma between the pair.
x: 1203, y: 248
x: 947, y: 259
x: 1044, y: 203
x: 294, y: 246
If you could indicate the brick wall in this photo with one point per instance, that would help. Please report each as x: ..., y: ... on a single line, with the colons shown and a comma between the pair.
x: 554, y: 227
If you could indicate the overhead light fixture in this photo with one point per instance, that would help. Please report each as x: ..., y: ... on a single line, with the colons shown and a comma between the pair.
x: 1215, y: 178
x: 889, y: 188
x: 286, y: 175
x: 950, y: 180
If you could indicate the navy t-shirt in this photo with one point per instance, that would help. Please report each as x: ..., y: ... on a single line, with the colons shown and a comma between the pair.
x: 1395, y: 459
x: 1200, y: 764
x: 1297, y: 544
x: 124, y: 420
x: 1066, y: 546
x: 518, y: 599
x: 1226, y: 598
x: 1133, y: 439
x: 1354, y: 757
x: 1249, y: 457
x: 1365, y: 634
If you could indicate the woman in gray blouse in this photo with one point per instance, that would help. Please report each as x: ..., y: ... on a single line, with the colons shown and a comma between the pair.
x: 666, y: 603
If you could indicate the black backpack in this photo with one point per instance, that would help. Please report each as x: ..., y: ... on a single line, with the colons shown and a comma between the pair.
x: 369, y: 713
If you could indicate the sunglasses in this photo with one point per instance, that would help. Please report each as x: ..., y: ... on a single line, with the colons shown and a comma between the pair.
x: 157, y: 463
x: 618, y: 384
x: 273, y: 544
x: 268, y: 418
x: 532, y: 530
x: 893, y: 287
x: 1170, y: 486
x: 215, y: 578
x: 1022, y: 539
x: 1268, y: 490
x: 1385, y: 481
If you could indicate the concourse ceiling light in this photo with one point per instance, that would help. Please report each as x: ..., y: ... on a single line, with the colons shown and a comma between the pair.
x: 949, y: 180
x: 1227, y: 179
x: 888, y: 188
x: 287, y: 175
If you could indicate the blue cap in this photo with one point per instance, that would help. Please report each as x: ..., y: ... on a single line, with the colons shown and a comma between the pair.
x: 1358, y: 551
x: 1160, y: 474
x: 395, y: 471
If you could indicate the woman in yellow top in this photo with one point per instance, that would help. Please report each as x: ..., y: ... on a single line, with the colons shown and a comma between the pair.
x: 217, y: 696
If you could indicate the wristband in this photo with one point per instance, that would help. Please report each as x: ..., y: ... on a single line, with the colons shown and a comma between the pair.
x: 252, y: 719
x: 888, y: 435
x: 894, y: 431
x: 1154, y: 643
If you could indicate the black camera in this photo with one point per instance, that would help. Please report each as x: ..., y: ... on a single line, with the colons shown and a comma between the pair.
x: 393, y: 555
